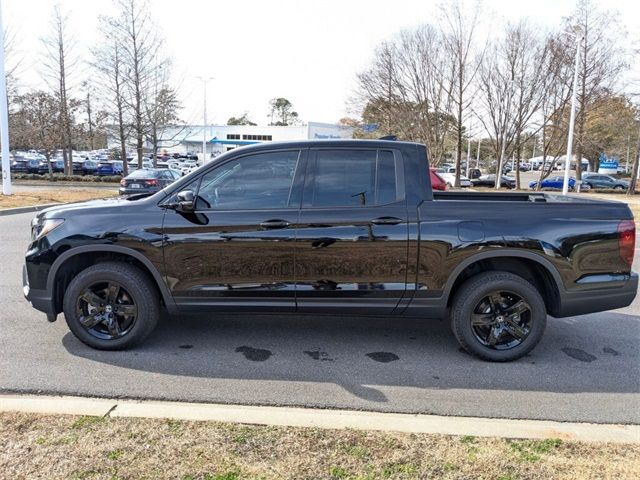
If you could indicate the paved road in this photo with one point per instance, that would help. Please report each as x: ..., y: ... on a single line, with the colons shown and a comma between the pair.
x: 585, y: 369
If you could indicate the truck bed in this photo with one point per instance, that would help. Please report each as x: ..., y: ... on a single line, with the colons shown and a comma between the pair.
x: 518, y: 197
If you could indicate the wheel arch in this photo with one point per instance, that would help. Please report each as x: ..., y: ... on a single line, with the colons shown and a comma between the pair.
x: 533, y: 268
x: 76, y: 259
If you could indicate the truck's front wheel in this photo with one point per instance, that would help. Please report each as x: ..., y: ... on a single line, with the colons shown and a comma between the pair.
x: 498, y: 316
x: 111, y: 306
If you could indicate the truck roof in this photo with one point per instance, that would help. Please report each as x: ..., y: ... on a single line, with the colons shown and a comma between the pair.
x: 330, y: 143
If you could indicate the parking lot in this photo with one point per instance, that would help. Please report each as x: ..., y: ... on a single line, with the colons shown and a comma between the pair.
x: 585, y: 369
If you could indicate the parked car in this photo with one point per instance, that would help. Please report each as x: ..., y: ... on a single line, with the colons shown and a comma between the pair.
x: 20, y: 165
x: 113, y: 167
x: 557, y: 183
x: 474, y: 173
x: 57, y: 166
x: 26, y: 165
x: 134, y: 165
x: 147, y: 180
x: 188, y: 166
x: 331, y: 227
x: 437, y: 182
x: 597, y: 180
x: 89, y: 167
x: 490, y: 181
x: 76, y: 166
x: 450, y: 178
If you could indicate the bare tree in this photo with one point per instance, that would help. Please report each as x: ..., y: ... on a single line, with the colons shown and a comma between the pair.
x: 112, y: 84
x: 460, y: 38
x: 88, y: 109
x: 376, y: 89
x: 551, y: 122
x: 36, y: 123
x: 58, y: 65
x: 402, y: 92
x: 497, y: 90
x: 529, y: 55
x: 138, y: 43
x: 600, y: 66
x: 13, y: 63
x: 161, y: 108
x: 634, y: 170
x: 421, y: 57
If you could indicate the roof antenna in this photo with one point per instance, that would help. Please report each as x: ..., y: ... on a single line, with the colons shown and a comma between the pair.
x: 392, y: 138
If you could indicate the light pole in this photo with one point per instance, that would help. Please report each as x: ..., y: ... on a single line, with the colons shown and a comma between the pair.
x: 4, y: 119
x: 204, y: 125
x: 572, y: 119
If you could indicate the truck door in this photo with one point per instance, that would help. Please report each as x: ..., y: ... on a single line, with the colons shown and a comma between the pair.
x: 236, y: 250
x: 352, y: 234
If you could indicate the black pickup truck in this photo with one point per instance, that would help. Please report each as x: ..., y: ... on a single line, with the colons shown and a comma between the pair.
x: 340, y: 227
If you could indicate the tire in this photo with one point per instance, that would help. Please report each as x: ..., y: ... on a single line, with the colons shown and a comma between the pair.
x: 475, y: 298
x: 618, y: 187
x: 123, y: 318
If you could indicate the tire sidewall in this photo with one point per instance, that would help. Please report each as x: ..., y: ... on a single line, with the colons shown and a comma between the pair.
x: 132, y: 281
x: 477, y: 288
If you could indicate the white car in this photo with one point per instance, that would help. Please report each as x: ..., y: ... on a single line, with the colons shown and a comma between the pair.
x: 134, y: 165
x: 450, y: 178
x: 187, y: 168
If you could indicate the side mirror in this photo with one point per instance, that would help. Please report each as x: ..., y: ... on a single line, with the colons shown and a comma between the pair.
x: 186, y: 201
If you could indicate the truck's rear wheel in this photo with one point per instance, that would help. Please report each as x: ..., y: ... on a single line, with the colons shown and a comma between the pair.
x: 498, y: 316
x: 111, y: 306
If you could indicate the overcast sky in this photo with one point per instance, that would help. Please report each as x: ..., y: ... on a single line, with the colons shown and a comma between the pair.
x: 306, y: 51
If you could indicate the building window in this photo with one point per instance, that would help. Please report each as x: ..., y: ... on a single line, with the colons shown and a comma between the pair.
x: 262, y: 138
x: 233, y: 136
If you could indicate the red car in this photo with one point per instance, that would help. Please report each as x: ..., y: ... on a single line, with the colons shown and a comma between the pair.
x: 437, y: 183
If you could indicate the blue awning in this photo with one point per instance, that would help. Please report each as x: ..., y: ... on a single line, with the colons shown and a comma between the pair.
x: 232, y: 142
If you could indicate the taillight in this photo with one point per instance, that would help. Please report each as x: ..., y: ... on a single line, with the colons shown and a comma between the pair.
x: 151, y: 182
x: 123, y: 183
x: 627, y: 240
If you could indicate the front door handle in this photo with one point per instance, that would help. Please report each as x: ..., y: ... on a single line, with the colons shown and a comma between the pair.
x: 270, y: 224
x: 386, y: 221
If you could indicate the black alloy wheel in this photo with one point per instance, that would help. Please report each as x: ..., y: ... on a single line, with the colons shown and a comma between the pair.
x: 112, y: 305
x: 106, y: 310
x: 498, y: 316
x: 501, y: 320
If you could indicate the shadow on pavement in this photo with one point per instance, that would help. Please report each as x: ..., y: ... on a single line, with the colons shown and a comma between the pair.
x: 598, y: 353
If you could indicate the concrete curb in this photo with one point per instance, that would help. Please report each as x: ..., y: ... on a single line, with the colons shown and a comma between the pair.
x: 33, y: 208
x: 307, y: 417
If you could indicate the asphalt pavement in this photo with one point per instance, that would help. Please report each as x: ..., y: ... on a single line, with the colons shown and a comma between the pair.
x: 585, y: 368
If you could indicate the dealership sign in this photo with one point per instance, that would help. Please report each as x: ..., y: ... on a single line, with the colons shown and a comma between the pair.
x: 608, y: 164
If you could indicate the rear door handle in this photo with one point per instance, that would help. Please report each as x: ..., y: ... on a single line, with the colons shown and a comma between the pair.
x: 386, y: 221
x: 275, y: 224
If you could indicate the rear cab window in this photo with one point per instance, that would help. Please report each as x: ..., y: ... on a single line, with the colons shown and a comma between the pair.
x: 353, y: 178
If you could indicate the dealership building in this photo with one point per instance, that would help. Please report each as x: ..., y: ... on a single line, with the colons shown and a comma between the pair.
x: 222, y: 138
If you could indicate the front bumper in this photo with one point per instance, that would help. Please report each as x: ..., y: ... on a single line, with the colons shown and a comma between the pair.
x: 607, y: 296
x: 39, y: 299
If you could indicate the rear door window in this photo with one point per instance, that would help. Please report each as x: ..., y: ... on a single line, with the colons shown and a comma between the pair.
x: 352, y: 178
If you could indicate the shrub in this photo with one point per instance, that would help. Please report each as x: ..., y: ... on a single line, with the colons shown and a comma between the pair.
x: 60, y: 177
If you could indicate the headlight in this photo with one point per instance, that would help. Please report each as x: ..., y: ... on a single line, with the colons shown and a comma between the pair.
x: 40, y: 228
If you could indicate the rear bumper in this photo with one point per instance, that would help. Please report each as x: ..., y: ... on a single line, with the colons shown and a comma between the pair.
x: 608, y: 296
x: 133, y: 191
